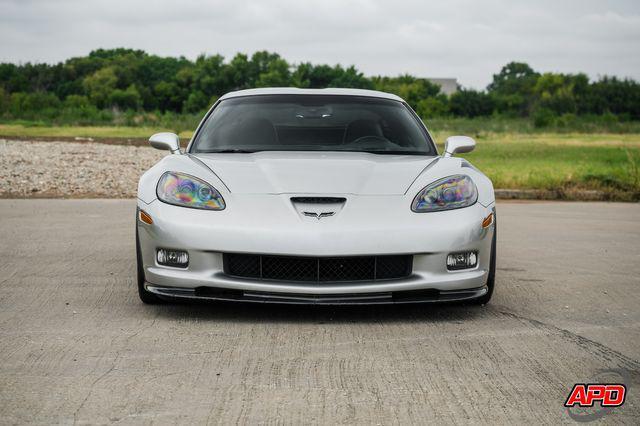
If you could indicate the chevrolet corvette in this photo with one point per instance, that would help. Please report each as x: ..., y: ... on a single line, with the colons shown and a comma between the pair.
x: 314, y: 196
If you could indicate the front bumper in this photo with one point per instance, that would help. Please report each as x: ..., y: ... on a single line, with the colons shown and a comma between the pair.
x: 378, y: 298
x: 241, y: 228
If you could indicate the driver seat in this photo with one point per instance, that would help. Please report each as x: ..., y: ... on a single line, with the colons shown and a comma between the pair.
x: 360, y: 128
x: 256, y: 132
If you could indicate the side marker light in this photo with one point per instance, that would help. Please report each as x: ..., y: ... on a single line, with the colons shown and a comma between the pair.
x: 487, y: 221
x: 144, y: 217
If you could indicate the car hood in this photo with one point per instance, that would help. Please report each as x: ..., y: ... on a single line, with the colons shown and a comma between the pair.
x: 316, y: 172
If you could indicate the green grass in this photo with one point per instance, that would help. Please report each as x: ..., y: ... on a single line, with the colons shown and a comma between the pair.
x: 33, y: 131
x: 607, y: 162
x: 562, y: 124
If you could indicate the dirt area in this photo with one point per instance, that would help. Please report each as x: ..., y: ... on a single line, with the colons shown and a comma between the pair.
x: 72, y: 169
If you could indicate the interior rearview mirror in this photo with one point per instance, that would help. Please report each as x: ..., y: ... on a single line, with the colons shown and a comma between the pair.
x: 458, y: 145
x: 166, y: 141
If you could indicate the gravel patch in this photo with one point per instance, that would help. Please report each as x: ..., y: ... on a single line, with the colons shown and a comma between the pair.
x: 74, y: 170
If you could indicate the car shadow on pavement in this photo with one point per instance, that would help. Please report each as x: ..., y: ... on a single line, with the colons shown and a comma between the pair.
x: 281, y: 313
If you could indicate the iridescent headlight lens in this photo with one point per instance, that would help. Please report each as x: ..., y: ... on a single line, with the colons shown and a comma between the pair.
x: 183, y: 190
x: 450, y: 193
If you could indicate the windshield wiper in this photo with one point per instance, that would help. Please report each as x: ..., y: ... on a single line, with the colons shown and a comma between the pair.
x: 228, y: 151
x: 372, y: 151
x: 395, y: 152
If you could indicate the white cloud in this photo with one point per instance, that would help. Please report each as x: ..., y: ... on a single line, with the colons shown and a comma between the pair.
x: 469, y: 40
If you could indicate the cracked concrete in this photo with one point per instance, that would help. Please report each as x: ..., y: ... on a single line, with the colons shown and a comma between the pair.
x: 76, y: 345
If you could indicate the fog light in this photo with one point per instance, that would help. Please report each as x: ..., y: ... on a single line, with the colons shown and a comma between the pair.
x: 462, y: 260
x: 176, y: 258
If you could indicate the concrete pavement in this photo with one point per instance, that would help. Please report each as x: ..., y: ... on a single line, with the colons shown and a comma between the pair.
x: 77, y: 346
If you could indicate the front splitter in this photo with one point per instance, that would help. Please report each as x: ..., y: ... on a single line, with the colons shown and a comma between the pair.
x: 394, y: 297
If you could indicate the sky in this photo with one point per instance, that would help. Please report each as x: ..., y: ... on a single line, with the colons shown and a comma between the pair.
x: 464, y: 39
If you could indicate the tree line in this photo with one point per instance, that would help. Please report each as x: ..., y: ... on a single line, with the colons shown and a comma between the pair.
x: 108, y: 81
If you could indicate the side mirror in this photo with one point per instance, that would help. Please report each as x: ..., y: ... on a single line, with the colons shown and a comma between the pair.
x: 166, y: 141
x: 458, y: 145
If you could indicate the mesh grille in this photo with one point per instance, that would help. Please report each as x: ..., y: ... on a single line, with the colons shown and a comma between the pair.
x: 243, y: 265
x: 314, y: 269
x: 393, y: 266
x: 347, y: 269
x: 289, y: 268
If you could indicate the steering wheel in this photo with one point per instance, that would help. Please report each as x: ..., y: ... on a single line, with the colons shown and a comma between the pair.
x: 368, y: 138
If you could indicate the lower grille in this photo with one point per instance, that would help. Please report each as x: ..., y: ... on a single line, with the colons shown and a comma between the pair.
x: 317, y: 269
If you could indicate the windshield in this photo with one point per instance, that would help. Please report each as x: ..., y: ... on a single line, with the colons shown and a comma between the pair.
x: 313, y: 123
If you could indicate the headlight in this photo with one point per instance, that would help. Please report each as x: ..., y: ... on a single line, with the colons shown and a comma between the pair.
x: 183, y: 190
x: 450, y: 193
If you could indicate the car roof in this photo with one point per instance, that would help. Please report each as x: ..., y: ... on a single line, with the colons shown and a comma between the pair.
x: 297, y: 91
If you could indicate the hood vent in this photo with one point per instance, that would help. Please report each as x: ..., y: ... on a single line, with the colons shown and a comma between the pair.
x: 318, y: 200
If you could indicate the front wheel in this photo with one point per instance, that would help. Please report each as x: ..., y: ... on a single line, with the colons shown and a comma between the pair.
x: 491, y: 280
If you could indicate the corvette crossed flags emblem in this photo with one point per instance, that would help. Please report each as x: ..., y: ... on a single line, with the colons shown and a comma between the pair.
x: 318, y: 215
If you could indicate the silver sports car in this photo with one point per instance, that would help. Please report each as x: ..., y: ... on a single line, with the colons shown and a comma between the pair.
x: 323, y: 196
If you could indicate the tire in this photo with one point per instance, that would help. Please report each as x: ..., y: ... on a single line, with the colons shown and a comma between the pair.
x: 491, y: 280
x: 146, y: 296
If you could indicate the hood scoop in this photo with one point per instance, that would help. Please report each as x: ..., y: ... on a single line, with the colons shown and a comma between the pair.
x: 318, y: 207
x: 318, y: 200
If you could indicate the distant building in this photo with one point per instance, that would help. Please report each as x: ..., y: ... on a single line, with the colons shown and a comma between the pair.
x: 448, y: 86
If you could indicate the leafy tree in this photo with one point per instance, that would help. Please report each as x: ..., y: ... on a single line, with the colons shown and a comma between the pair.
x: 471, y: 103
x: 128, y: 99
x: 276, y: 74
x: 32, y: 102
x: 5, y: 100
x: 208, y: 75
x: 555, y: 93
x: 543, y: 117
x: 515, y: 77
x: 196, y: 102
x: 433, y: 107
x: 349, y: 77
x: 259, y: 64
x: 313, y: 76
x: 321, y: 76
x: 512, y: 88
x: 135, y: 80
x: 77, y: 101
x: 239, y: 73
x: 99, y: 86
x: 409, y: 88
x: 613, y: 95
x: 11, y: 78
